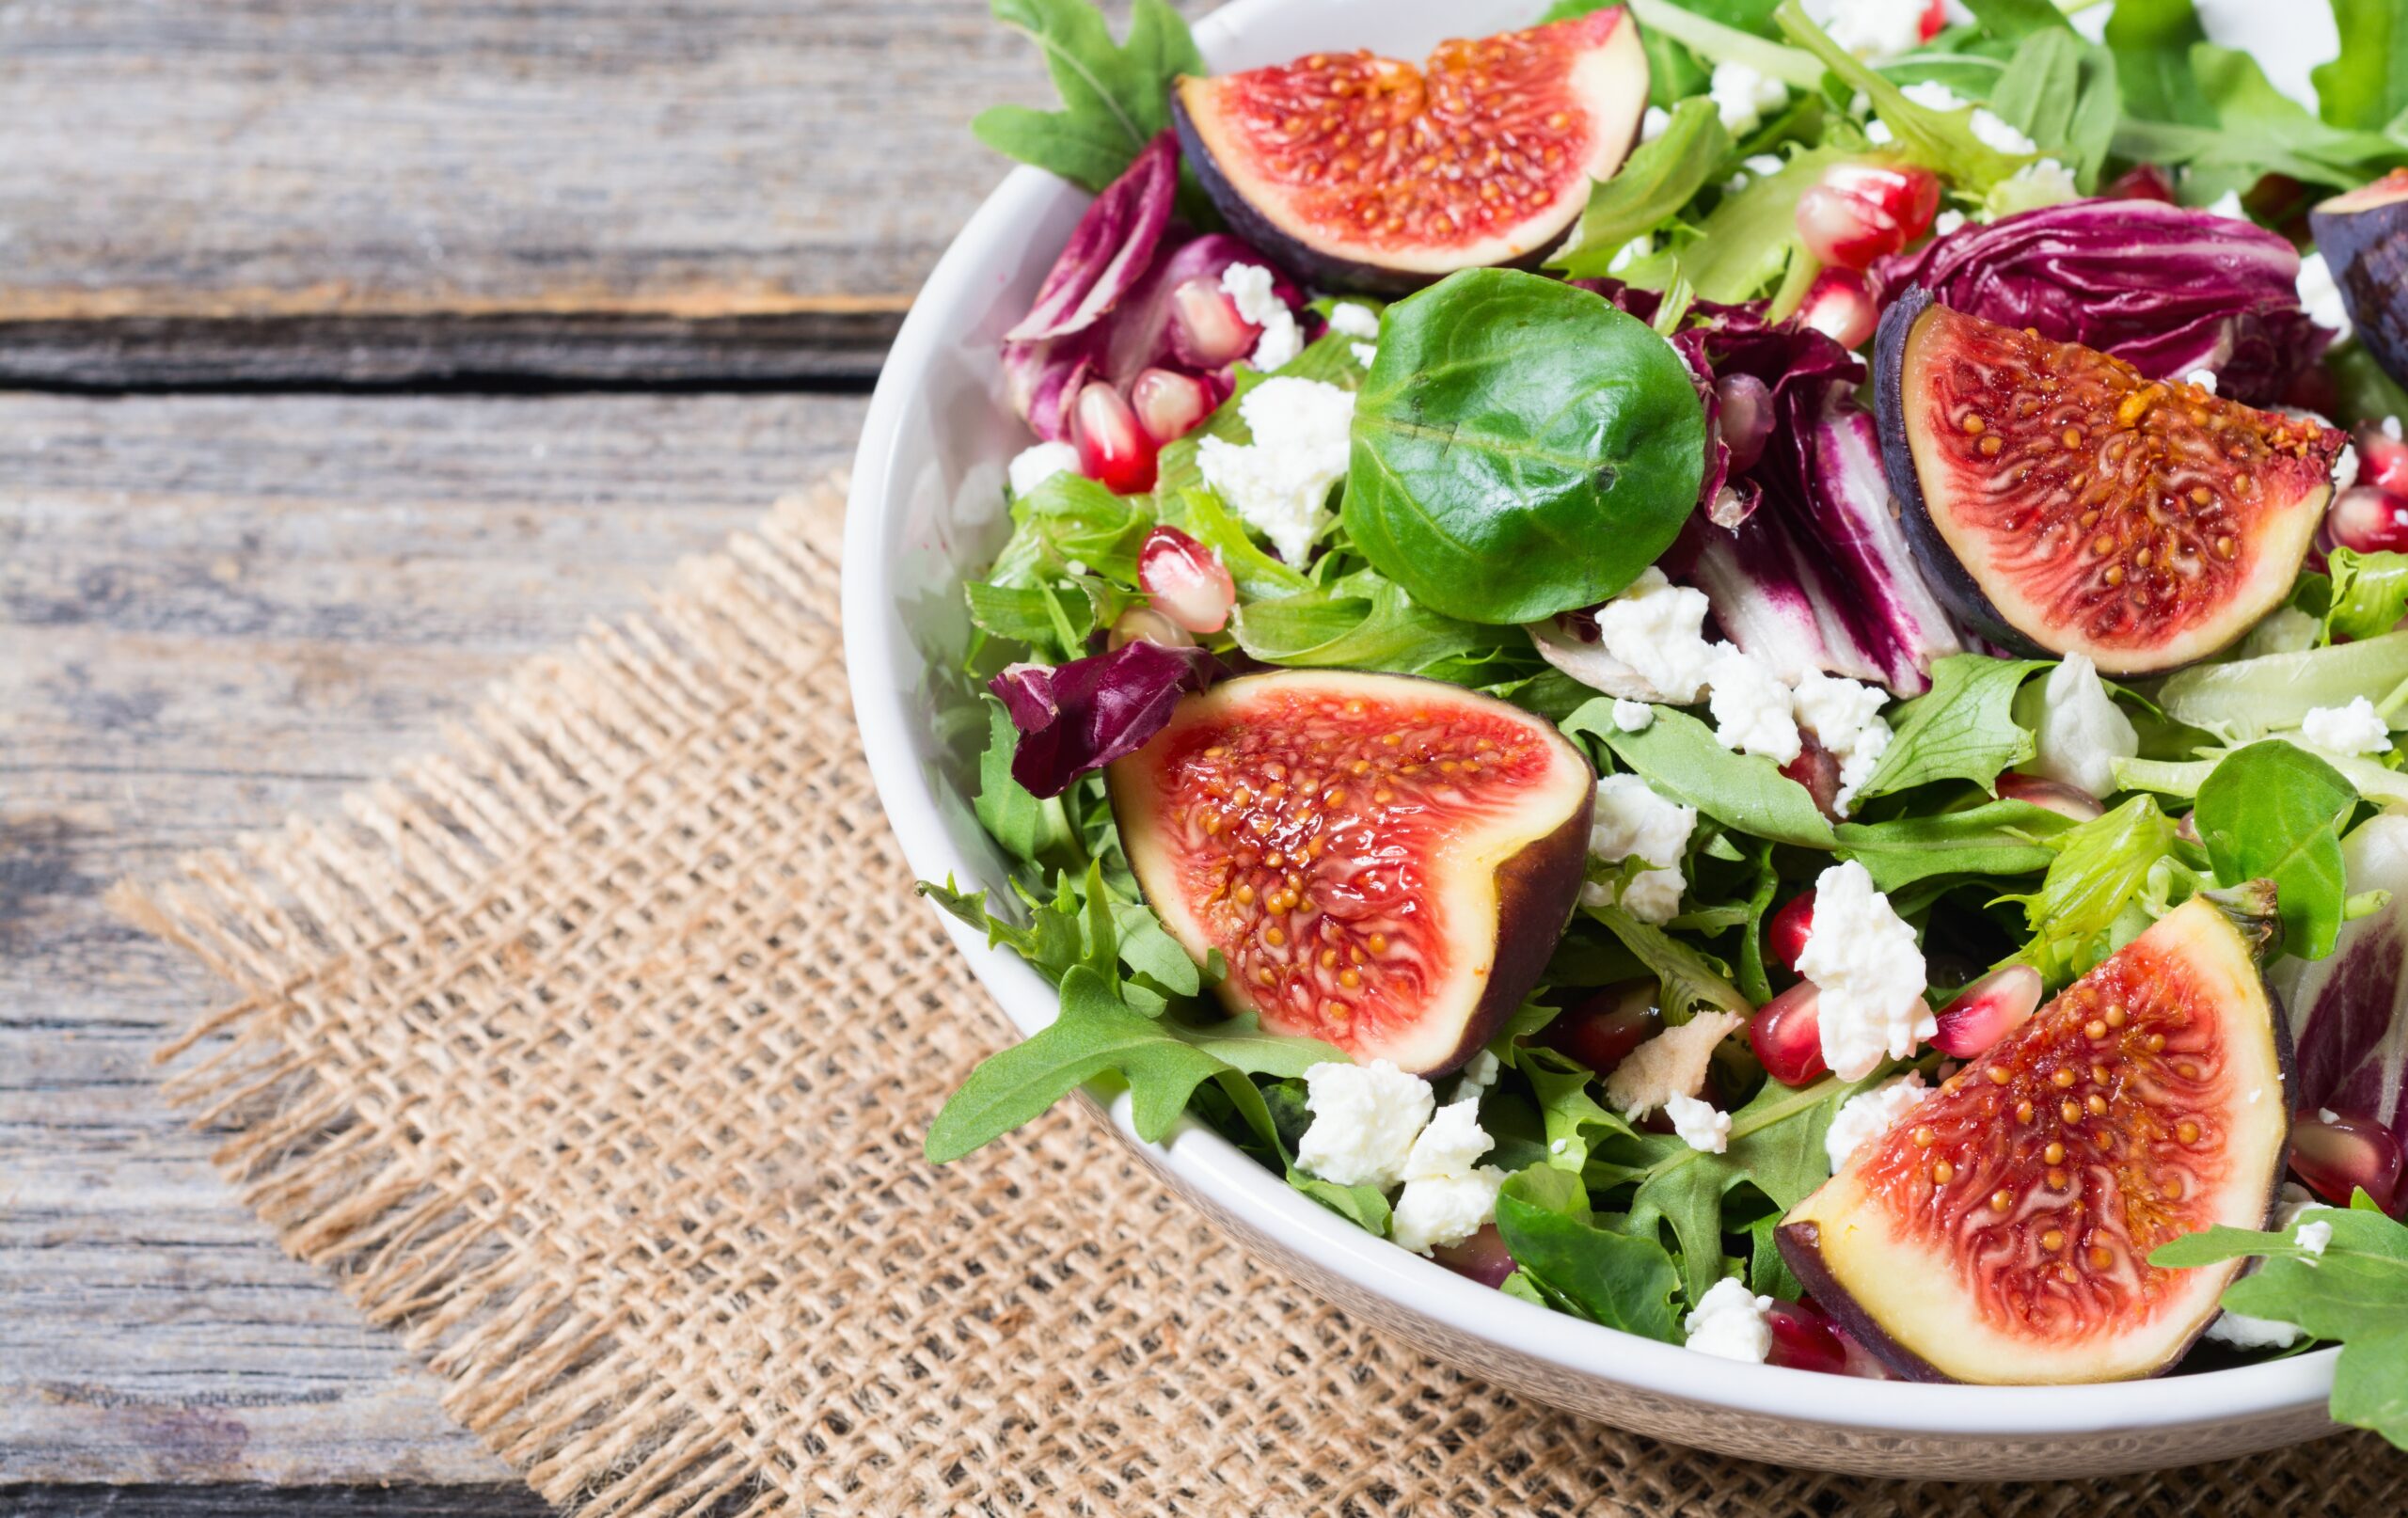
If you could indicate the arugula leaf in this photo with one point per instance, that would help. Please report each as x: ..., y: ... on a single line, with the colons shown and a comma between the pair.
x: 1565, y: 1107
x: 1364, y: 621
x: 1114, y: 99
x: 1147, y: 949
x: 1520, y: 447
x: 2273, y: 812
x: 2243, y: 129
x: 1942, y: 140
x: 1689, y: 980
x: 1752, y: 235
x: 1618, y: 1279
x: 1963, y: 728
x: 2101, y: 872
x: 1717, y: 38
x: 2060, y: 92
x: 1072, y: 518
x: 2355, y: 1292
x: 2016, y: 19
x: 2369, y: 594
x: 2152, y: 41
x: 1998, y: 838
x: 1656, y: 180
x: 2366, y: 86
x: 1027, y: 827
x: 1680, y: 757
x: 1768, y: 1274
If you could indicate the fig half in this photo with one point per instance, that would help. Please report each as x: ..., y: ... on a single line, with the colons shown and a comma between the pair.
x: 1359, y: 172
x: 1999, y: 1231
x: 2060, y: 503
x: 2364, y: 238
x: 1383, y: 862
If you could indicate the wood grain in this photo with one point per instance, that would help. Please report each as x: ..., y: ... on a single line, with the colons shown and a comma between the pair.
x: 215, y: 610
x: 351, y: 190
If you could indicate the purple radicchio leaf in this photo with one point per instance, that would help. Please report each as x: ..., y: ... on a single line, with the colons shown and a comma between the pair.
x: 1109, y: 250
x: 2165, y: 288
x: 1076, y: 717
x: 2348, y: 1010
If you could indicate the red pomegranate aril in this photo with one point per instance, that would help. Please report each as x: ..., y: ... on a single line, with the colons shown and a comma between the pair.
x: 1743, y: 415
x: 1934, y: 19
x: 1786, y: 1033
x: 1785, y: 935
x: 1169, y: 404
x: 1816, y: 768
x: 1185, y: 581
x: 2368, y: 521
x: 2344, y: 1153
x: 1803, y: 1338
x: 1481, y: 1257
x: 1112, y: 450
x: 1839, y: 305
x: 1988, y: 1010
x: 1205, y: 327
x: 1144, y: 622
x: 2054, y: 796
x: 1601, y: 1031
x: 2141, y: 182
x: 1858, y: 212
x: 2382, y: 461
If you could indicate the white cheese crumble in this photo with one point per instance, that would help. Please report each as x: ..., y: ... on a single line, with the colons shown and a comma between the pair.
x: 1364, y: 351
x: 1450, y: 1146
x: 1868, y: 1114
x: 1280, y: 483
x: 2204, y: 378
x: 2081, y: 733
x: 1655, y: 627
x: 1366, y: 1118
x: 1632, y: 715
x: 1742, y: 97
x: 1249, y: 286
x: 1652, y: 124
x: 1481, y: 1073
x: 2356, y: 728
x: 1845, y: 716
x: 1947, y: 223
x: 1355, y: 319
x: 1992, y: 130
x: 1448, y: 1195
x: 1631, y: 821
x: 1631, y: 252
x: 2229, y: 206
x: 1032, y: 466
x: 1750, y: 706
x: 1878, y: 132
x: 2345, y: 469
x: 1874, y: 30
x: 1671, y: 1064
x: 1863, y: 959
x: 1730, y: 1322
x: 2320, y: 297
x: 1699, y: 1124
x: 2314, y: 1237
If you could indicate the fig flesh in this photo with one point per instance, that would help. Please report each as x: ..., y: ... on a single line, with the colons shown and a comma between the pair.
x: 1360, y: 172
x: 2060, y: 503
x: 1383, y: 862
x: 1999, y: 1231
x: 2364, y: 238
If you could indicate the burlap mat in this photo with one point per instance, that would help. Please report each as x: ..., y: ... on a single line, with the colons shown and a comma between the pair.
x: 593, y: 1054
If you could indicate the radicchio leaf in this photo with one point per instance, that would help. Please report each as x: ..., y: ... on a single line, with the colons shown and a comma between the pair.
x: 2348, y: 1010
x: 2165, y: 288
x: 1109, y: 250
x: 1078, y: 717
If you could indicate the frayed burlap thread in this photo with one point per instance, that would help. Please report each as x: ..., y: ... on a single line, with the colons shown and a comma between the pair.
x: 593, y: 1053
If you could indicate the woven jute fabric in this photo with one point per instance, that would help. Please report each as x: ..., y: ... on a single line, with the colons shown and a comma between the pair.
x: 592, y: 1056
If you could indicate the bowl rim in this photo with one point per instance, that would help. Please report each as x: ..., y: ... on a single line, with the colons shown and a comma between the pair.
x: 1224, y: 1176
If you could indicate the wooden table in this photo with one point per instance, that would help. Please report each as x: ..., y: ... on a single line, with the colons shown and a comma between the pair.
x: 349, y: 352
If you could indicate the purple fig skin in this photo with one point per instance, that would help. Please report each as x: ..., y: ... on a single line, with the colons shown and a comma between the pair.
x: 2364, y: 238
x: 1802, y: 1250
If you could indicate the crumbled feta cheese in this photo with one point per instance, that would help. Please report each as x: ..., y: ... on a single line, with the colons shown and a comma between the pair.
x: 1032, y: 466
x: 2292, y: 1202
x: 2081, y: 731
x: 1764, y: 164
x: 2229, y: 206
x: 2204, y: 378
x: 1364, y: 351
x: 1750, y: 706
x: 1671, y: 1064
x: 1450, y: 1146
x: 1934, y: 96
x: 1651, y: 125
x: 1280, y: 483
x: 1991, y: 131
x: 2321, y: 298
x: 1868, y: 1114
x: 1699, y: 1124
x: 2391, y: 428
x: 1355, y: 319
x: 1631, y: 821
x: 1482, y: 1072
x: 2356, y: 728
x: 1075, y: 568
x: 1863, y: 959
x: 2314, y: 1237
x: 1730, y: 1322
x: 1447, y: 1194
x: 2244, y: 1331
x: 1947, y: 223
x: 1632, y: 715
x: 1655, y: 627
x: 2042, y: 183
x: 1875, y: 30
x: 2345, y: 469
x: 1251, y: 289
x: 1846, y: 718
x: 1365, y: 1120
x: 1631, y: 252
x: 1742, y: 96
x: 1878, y: 132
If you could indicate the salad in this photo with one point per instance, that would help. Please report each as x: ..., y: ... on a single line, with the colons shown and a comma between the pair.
x: 1736, y: 667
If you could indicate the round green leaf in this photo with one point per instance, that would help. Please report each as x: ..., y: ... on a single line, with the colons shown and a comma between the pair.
x: 1520, y: 447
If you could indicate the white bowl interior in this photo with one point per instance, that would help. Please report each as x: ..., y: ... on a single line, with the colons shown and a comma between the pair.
x: 927, y: 507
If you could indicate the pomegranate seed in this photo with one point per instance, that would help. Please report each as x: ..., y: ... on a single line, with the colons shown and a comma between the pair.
x: 1818, y: 769
x: 1787, y: 1036
x: 2142, y: 182
x: 1481, y: 1257
x: 1861, y: 1362
x: 1112, y: 450
x: 2064, y: 800
x: 1169, y: 404
x: 2338, y: 1154
x: 2368, y: 521
x: 1602, y: 1031
x: 1785, y: 935
x: 1839, y: 305
x: 1205, y: 327
x: 1988, y: 1010
x: 1934, y: 19
x: 1186, y: 581
x: 1144, y: 622
x: 2382, y: 461
x: 1858, y: 212
x: 1743, y: 415
x: 1804, y: 1338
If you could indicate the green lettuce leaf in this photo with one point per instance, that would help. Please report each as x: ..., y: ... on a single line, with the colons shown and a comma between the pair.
x: 1114, y: 98
x: 1619, y: 1279
x: 1963, y: 728
x: 1660, y: 178
x: 1679, y: 757
x: 2273, y: 812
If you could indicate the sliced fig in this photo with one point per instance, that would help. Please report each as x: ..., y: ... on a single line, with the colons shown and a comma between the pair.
x: 2000, y: 1232
x: 1360, y: 172
x: 1383, y: 862
x: 2060, y: 502
x: 2364, y: 238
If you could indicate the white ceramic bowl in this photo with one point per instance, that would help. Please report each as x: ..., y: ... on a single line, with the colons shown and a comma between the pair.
x: 927, y: 506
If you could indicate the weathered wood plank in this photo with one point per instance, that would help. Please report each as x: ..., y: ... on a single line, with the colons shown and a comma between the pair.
x: 211, y: 611
x: 353, y: 190
x: 249, y: 1501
